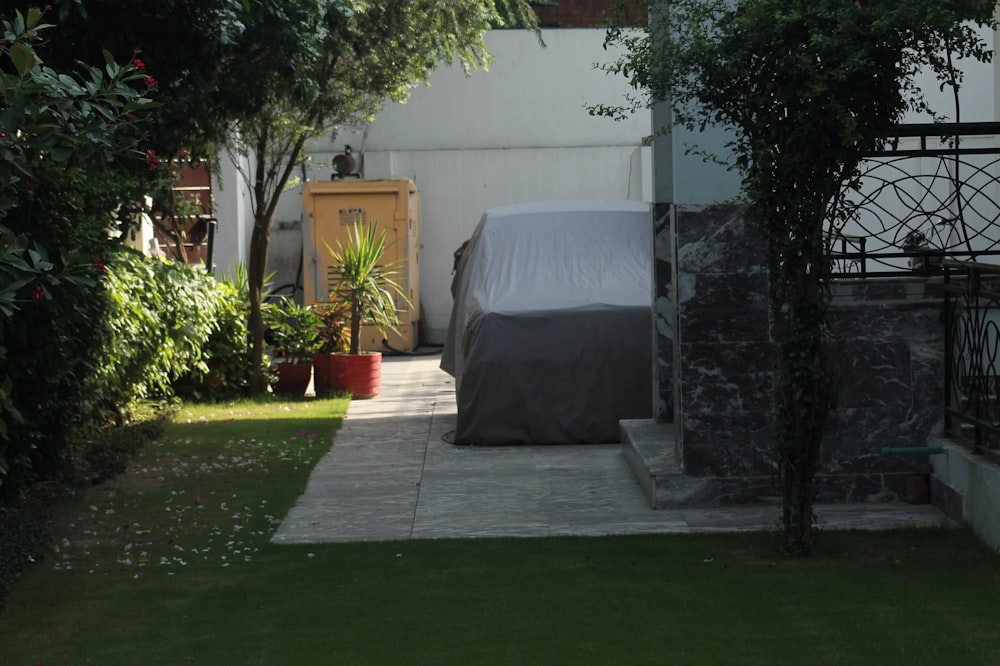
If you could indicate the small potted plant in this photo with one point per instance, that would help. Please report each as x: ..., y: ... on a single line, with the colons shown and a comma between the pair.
x: 924, y: 256
x: 365, y: 284
x: 333, y: 333
x: 293, y: 336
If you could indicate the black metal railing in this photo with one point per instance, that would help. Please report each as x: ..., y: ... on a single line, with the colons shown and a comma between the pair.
x: 932, y: 194
x: 972, y: 354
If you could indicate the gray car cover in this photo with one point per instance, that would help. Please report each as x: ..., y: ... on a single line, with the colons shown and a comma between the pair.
x: 550, y: 336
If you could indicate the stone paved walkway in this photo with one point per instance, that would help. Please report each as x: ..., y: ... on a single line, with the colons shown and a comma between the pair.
x: 392, y: 475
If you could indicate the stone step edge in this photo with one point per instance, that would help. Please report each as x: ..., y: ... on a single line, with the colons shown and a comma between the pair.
x: 650, y: 450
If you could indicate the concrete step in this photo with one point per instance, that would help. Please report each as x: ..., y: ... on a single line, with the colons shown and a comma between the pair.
x: 650, y: 449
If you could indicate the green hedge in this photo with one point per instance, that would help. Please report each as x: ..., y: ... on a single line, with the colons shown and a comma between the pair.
x: 159, y: 317
x: 225, y: 370
x: 92, y: 353
x: 72, y: 154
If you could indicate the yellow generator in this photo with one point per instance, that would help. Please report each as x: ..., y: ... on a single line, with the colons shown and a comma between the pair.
x: 334, y: 207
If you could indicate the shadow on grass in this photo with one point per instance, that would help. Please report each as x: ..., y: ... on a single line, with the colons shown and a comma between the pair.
x: 171, y: 563
x: 680, y: 599
x: 118, y: 474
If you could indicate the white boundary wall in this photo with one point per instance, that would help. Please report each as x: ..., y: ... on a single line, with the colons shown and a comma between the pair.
x: 976, y: 482
x: 517, y: 132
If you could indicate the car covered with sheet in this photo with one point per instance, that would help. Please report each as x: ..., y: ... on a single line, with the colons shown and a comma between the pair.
x: 550, y: 336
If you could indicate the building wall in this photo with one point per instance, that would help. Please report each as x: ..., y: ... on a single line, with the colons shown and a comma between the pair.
x: 235, y: 221
x: 517, y: 132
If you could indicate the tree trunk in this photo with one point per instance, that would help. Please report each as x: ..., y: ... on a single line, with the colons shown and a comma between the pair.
x: 355, y: 326
x: 272, y: 169
x: 257, y: 264
x: 805, y: 396
x: 256, y: 267
x: 168, y: 225
x: 802, y: 412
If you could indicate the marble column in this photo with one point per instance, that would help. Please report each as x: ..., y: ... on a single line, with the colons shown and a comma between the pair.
x: 725, y: 352
x: 664, y: 314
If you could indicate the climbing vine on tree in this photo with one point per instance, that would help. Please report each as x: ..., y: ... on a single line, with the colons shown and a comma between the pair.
x: 806, y: 88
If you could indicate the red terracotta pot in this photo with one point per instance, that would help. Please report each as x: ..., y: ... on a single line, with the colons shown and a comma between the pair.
x: 322, y: 374
x: 293, y: 378
x: 357, y: 374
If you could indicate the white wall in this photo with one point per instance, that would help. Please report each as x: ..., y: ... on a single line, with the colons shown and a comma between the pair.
x: 977, y: 101
x: 976, y: 479
x: 235, y: 221
x: 686, y: 178
x: 517, y: 132
x: 908, y: 198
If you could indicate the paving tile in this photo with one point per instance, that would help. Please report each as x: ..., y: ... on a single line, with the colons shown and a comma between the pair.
x: 392, y: 474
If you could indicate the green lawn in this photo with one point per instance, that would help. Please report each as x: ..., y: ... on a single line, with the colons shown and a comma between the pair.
x: 171, y: 564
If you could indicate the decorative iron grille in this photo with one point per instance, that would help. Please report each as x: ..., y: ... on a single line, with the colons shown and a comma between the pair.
x: 932, y: 194
x: 972, y: 353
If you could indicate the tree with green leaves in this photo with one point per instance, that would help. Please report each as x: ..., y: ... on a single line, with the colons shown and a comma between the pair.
x: 806, y: 89
x: 266, y: 76
x: 71, y: 144
x: 186, y: 48
x: 325, y: 63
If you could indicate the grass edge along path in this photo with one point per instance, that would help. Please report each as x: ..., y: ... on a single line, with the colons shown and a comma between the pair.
x: 172, y: 564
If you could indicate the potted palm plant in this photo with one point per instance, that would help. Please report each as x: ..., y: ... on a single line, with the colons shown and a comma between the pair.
x: 365, y: 283
x: 293, y: 336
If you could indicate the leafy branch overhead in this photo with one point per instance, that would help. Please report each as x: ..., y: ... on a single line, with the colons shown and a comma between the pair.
x: 722, y: 62
x: 264, y: 77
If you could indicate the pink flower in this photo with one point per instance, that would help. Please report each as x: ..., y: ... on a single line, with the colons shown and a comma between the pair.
x: 139, y: 64
x: 151, y: 83
x: 152, y: 160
